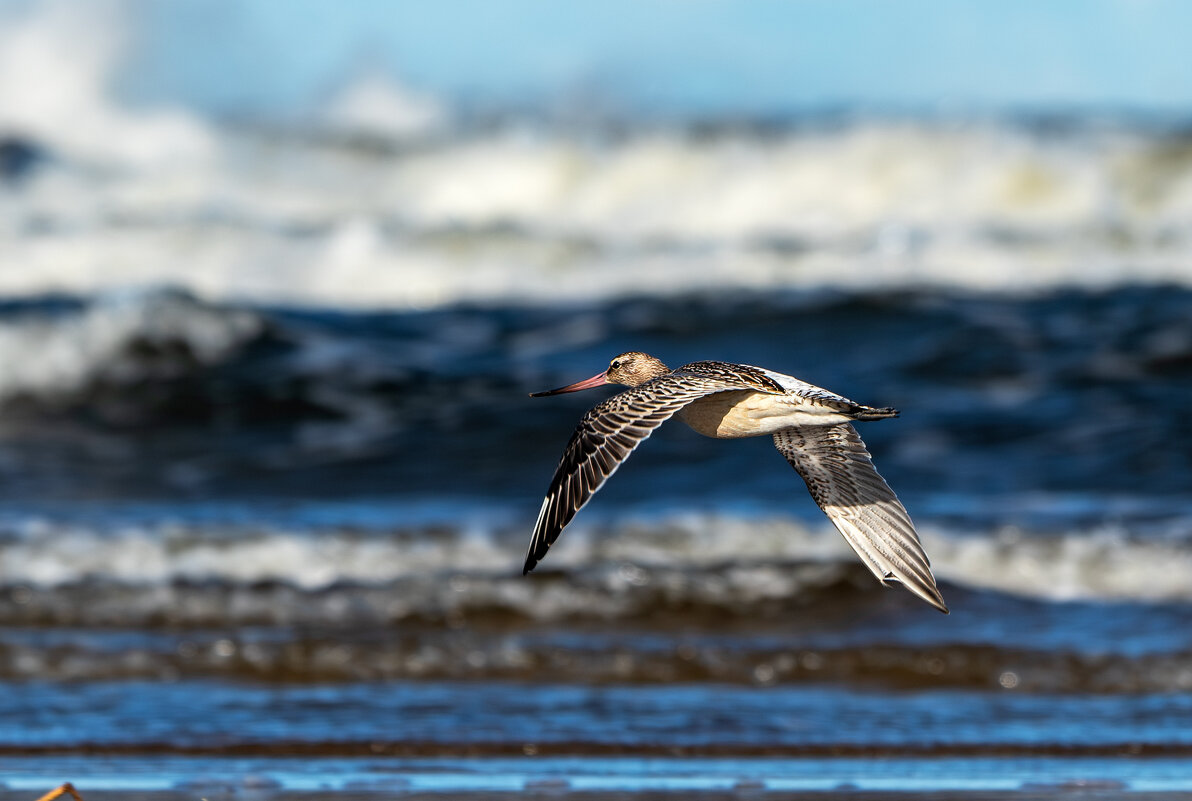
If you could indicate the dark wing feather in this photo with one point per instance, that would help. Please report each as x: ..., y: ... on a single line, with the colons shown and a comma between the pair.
x: 605, y: 437
x: 844, y: 483
x: 742, y: 376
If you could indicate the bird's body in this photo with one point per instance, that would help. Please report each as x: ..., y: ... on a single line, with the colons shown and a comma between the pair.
x: 732, y: 414
x: 812, y: 428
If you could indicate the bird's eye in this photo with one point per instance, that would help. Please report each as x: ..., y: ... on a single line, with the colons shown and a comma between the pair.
x: 615, y: 365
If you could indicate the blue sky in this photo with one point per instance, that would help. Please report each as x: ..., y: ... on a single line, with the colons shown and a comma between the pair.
x: 674, y: 56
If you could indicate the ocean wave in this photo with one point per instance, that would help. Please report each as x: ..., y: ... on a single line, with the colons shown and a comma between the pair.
x: 544, y: 216
x: 625, y: 568
x: 119, y: 339
x: 1016, y: 412
x: 78, y: 119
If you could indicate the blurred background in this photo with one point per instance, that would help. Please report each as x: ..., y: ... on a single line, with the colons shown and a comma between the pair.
x: 275, y: 279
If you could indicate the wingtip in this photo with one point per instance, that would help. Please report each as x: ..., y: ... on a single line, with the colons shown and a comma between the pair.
x: 937, y: 600
x: 532, y: 560
x: 929, y: 593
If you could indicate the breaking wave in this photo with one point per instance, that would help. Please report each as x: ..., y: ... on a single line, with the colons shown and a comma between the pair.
x: 544, y: 216
x: 121, y: 338
x: 679, y: 600
x: 618, y: 569
x: 78, y: 120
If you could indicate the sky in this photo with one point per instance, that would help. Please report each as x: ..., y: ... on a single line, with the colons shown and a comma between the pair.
x: 684, y: 57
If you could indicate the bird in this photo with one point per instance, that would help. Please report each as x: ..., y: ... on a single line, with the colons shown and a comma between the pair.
x: 811, y: 427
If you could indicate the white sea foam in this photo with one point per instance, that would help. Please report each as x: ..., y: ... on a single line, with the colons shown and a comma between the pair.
x: 1099, y: 564
x: 59, y: 354
x: 57, y: 61
x: 544, y: 217
x: 376, y: 104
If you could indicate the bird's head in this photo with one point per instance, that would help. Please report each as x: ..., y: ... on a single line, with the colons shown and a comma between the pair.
x: 630, y: 369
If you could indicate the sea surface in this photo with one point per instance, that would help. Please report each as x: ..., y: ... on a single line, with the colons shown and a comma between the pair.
x: 268, y: 464
x: 274, y: 549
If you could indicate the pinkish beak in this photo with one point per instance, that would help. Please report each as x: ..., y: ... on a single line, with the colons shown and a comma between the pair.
x: 595, y: 381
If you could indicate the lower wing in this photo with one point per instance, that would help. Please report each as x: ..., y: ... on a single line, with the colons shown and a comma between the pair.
x: 844, y: 483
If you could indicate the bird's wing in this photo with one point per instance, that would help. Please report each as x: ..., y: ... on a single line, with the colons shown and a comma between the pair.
x: 741, y: 376
x: 604, y: 438
x: 844, y: 483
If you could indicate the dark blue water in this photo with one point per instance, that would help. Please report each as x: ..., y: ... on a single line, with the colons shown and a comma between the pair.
x: 1073, y: 394
x: 235, y: 535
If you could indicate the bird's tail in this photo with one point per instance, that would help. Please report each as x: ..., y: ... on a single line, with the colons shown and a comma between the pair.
x: 872, y: 413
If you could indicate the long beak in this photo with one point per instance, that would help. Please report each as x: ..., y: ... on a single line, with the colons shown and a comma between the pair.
x: 595, y: 381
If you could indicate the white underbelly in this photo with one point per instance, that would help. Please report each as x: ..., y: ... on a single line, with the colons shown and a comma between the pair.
x: 730, y: 415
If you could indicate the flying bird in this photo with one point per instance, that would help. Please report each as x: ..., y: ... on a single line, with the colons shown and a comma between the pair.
x: 812, y: 428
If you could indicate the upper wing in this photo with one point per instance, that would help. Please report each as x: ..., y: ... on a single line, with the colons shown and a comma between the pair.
x: 604, y: 438
x: 841, y: 478
x: 741, y: 376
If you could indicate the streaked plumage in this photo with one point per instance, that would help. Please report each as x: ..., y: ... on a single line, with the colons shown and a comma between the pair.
x: 811, y: 428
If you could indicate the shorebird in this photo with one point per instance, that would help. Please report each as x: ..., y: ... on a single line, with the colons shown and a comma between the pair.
x: 811, y: 426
